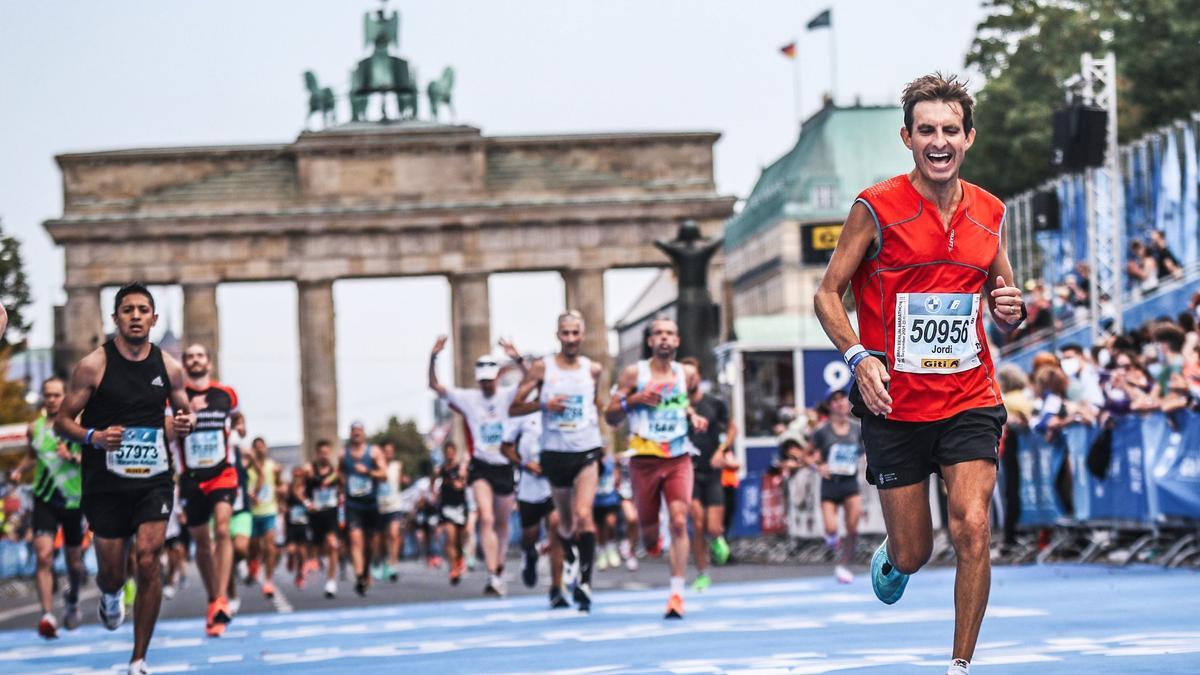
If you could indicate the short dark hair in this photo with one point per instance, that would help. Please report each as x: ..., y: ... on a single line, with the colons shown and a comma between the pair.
x: 938, y: 87
x: 691, y: 361
x: 1071, y: 347
x: 134, y: 288
x: 53, y: 378
x: 323, y: 443
x: 1172, y: 335
x: 257, y: 440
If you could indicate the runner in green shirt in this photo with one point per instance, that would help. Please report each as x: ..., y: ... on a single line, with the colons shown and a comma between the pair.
x: 57, y: 488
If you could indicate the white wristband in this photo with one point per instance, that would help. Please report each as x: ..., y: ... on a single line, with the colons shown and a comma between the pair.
x: 853, y: 351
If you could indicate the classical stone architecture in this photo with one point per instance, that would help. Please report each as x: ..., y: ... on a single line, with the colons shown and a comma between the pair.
x: 375, y: 200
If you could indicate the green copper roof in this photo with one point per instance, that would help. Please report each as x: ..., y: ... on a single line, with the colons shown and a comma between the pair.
x: 840, y: 151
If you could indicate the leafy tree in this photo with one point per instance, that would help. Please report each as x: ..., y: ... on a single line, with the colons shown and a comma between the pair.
x: 410, y: 444
x: 14, y: 294
x: 1025, y: 49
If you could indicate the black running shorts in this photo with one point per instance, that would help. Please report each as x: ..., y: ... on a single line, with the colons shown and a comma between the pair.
x: 499, y: 476
x: 904, y: 453
x: 706, y: 489
x: 321, y: 523
x: 366, y: 520
x: 838, y: 489
x: 532, y: 513
x: 117, y: 515
x: 561, y: 468
x: 198, y: 505
x: 47, y: 518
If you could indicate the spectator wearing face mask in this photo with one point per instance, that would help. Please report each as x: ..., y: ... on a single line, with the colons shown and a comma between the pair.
x: 1084, y: 385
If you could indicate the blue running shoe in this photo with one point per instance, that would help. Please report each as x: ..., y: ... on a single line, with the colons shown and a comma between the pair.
x: 887, y: 583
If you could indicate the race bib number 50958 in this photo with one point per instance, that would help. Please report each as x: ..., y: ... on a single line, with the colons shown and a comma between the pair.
x: 935, y: 332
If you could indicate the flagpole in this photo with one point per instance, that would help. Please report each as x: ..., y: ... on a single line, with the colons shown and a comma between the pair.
x: 832, y: 62
x: 796, y: 87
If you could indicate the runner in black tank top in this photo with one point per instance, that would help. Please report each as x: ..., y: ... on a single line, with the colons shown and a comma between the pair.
x: 321, y: 495
x: 121, y: 390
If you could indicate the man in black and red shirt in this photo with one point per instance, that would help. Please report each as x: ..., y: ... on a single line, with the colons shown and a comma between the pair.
x: 208, y: 480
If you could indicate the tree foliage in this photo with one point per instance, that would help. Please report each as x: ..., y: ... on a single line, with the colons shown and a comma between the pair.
x: 14, y: 294
x: 410, y: 444
x: 1025, y: 49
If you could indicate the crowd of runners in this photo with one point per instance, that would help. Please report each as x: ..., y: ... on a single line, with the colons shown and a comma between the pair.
x: 143, y: 447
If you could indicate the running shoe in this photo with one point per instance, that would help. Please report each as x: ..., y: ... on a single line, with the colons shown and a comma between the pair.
x: 435, y: 561
x: 720, y: 551
x: 268, y: 589
x: 48, y: 626
x: 625, y: 549
x: 169, y: 591
x: 72, y: 617
x: 601, y: 561
x: 701, y: 583
x: 252, y: 573
x: 500, y: 585
x: 360, y: 586
x: 958, y: 667
x: 614, y: 558
x: 631, y: 563
x: 492, y: 588
x: 139, y: 667
x: 377, y: 572
x: 330, y: 589
x: 393, y: 574
x: 843, y: 575
x: 583, y: 597
x: 243, y: 572
x: 130, y: 592
x: 656, y: 550
x: 111, y: 610
x: 213, y: 625
x: 300, y: 581
x: 235, y: 606
x: 529, y: 559
x: 472, y: 562
x: 886, y: 581
x: 457, y: 570
x: 674, y: 607
x: 224, y: 610
x: 570, y: 569
x: 558, y: 600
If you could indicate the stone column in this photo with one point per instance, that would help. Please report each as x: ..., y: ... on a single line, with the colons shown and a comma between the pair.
x: 318, y: 366
x: 83, y: 328
x: 470, y: 324
x: 201, y: 320
x: 585, y: 293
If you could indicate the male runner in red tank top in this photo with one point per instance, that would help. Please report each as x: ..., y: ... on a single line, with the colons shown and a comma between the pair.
x: 922, y: 252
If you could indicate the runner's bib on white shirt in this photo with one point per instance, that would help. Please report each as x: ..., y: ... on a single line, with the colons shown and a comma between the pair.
x: 935, y: 332
x: 485, y: 417
x: 202, y: 449
x: 298, y: 515
x: 143, y: 454
x: 843, y: 459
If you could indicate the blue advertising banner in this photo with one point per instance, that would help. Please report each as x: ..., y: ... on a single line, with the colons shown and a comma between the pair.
x: 1122, y: 493
x: 1175, y: 470
x: 1078, y: 440
x: 824, y: 369
x: 747, y: 519
x: 1040, y: 462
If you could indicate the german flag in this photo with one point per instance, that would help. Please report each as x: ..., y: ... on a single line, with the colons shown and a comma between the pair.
x: 789, y: 50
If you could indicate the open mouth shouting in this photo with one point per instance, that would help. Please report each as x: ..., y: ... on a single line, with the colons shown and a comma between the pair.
x: 939, y: 159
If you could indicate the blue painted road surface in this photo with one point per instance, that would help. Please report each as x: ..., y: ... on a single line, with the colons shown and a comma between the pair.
x: 1059, y: 619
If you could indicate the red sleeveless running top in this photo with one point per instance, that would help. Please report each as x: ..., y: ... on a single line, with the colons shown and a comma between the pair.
x: 920, y: 302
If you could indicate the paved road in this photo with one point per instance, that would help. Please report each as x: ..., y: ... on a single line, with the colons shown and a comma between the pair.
x: 1068, y: 618
x: 417, y: 584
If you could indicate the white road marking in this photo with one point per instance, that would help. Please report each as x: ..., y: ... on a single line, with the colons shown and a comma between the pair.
x: 87, y: 594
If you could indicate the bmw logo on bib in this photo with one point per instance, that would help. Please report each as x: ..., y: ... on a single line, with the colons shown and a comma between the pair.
x: 932, y: 304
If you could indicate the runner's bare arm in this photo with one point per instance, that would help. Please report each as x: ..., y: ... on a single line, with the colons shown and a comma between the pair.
x: 28, y: 460
x: 857, y: 234
x: 509, y: 450
x: 1005, y: 299
x: 438, y: 346
x: 83, y: 384
x: 379, y: 470
x: 626, y: 383
x: 533, y: 379
x: 597, y: 371
x: 184, y: 419
x: 239, y: 424
x: 3, y: 320
x: 510, y: 350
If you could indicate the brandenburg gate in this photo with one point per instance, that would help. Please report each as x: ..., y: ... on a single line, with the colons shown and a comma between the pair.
x: 375, y: 199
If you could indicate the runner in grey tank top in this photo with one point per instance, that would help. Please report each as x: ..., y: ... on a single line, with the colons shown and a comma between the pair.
x: 566, y: 385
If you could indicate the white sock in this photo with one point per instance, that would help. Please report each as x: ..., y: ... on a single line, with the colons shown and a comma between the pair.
x: 677, y: 585
x: 959, y: 667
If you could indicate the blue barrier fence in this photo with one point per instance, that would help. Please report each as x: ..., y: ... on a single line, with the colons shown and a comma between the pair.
x: 1153, y: 477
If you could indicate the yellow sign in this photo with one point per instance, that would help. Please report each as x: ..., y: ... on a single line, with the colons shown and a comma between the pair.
x: 825, y: 237
x: 939, y: 363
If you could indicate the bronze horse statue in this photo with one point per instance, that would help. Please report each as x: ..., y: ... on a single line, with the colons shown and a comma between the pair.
x: 441, y: 92
x: 320, y: 100
x: 382, y: 73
